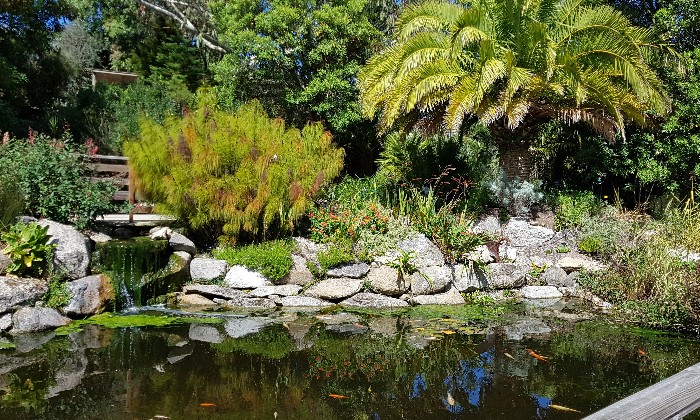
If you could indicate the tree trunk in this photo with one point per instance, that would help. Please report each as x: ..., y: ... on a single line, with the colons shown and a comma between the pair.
x: 514, y: 154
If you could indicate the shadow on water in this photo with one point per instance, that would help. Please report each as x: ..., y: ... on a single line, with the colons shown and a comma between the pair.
x: 412, y: 365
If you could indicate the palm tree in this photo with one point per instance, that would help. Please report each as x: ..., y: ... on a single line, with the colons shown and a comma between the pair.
x: 511, y: 64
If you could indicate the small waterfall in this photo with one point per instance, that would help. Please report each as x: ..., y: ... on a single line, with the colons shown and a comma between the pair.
x: 127, y: 262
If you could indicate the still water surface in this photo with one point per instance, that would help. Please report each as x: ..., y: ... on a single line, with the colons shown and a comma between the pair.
x: 419, y: 364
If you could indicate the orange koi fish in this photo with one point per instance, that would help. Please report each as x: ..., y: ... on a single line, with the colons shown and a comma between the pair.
x: 537, y: 356
x: 207, y: 405
x: 337, y: 397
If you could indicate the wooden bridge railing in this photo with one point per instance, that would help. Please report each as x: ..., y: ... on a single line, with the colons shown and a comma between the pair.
x: 672, y: 398
x: 115, y: 169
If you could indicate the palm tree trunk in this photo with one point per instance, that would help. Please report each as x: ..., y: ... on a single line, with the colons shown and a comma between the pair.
x: 514, y: 153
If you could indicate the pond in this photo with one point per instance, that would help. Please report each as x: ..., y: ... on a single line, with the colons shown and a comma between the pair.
x: 419, y: 363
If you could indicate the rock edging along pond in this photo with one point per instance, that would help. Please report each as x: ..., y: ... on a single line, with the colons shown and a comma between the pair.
x: 105, y: 274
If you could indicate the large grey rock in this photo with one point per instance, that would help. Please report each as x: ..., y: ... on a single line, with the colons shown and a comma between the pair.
x: 488, y: 224
x: 206, y: 333
x: 353, y: 271
x: 506, y: 275
x: 334, y: 289
x: 556, y: 276
x: 540, y: 292
x: 5, y: 262
x: 281, y: 290
x: 450, y: 297
x: 160, y: 233
x: 240, y: 277
x: 5, y: 322
x: 425, y: 252
x: 429, y: 280
x: 72, y: 253
x: 302, y: 301
x: 241, y: 327
x: 581, y: 262
x: 207, y: 269
x: 99, y: 237
x: 373, y: 300
x: 213, y: 291
x: 385, y: 280
x: 180, y: 242
x: 300, y: 273
x: 89, y: 295
x: 481, y: 254
x: 468, y: 278
x: 194, y: 299
x: 524, y: 235
x: 16, y: 291
x: 251, y: 303
x: 308, y: 249
x: 34, y: 319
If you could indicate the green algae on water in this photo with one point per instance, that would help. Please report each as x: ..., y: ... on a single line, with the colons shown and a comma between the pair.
x: 110, y: 320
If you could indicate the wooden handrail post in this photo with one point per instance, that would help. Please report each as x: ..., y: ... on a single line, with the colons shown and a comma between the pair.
x: 132, y: 192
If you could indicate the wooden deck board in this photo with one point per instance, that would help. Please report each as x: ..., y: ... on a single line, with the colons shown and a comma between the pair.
x: 138, y: 220
x: 672, y: 398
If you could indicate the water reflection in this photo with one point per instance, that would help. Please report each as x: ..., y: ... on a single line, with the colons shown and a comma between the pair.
x: 335, y: 366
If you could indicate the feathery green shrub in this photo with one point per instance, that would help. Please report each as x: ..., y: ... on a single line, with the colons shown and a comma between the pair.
x: 233, y: 176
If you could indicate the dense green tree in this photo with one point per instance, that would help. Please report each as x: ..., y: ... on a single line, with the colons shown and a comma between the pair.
x: 300, y: 60
x: 513, y: 62
x: 33, y: 72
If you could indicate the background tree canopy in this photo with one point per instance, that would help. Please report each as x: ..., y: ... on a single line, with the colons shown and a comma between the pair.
x: 300, y: 60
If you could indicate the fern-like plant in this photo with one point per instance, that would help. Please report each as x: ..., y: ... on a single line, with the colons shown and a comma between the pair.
x: 240, y: 175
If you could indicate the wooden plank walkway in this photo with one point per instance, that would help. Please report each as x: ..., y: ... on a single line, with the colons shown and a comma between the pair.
x: 672, y: 398
x: 135, y: 219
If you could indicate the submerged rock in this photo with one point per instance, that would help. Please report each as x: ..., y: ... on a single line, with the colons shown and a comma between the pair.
x: 17, y: 291
x: 72, y: 253
x: 334, y: 289
x: 207, y: 269
x: 373, y: 300
x: 34, y: 319
x: 526, y: 327
x: 89, y: 295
